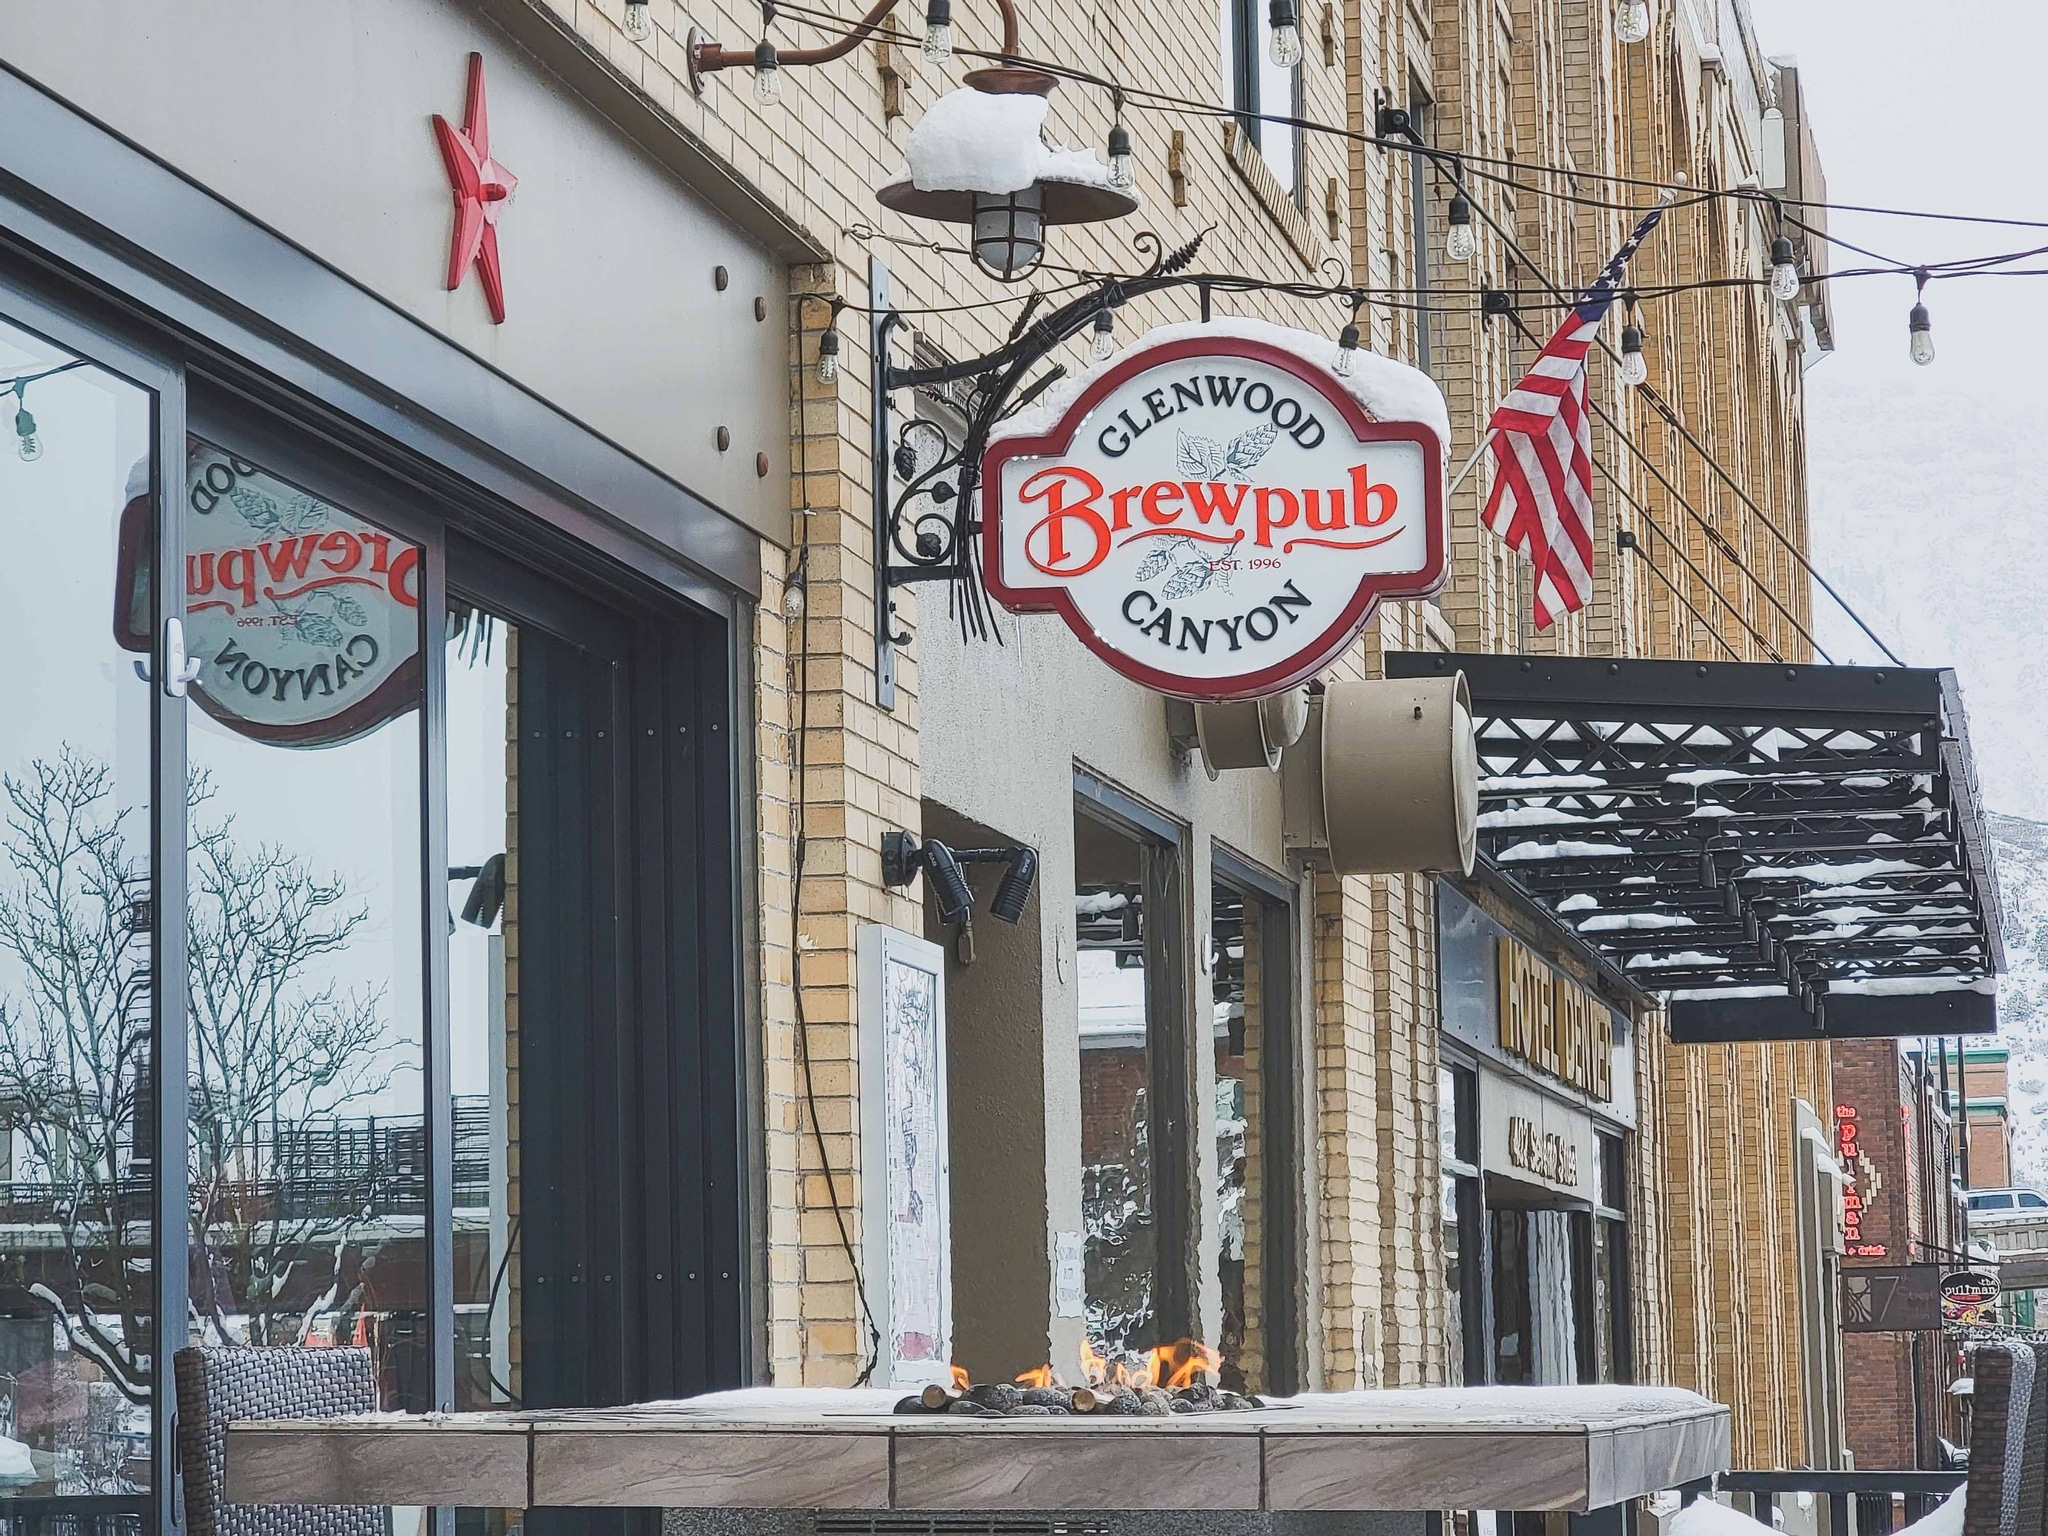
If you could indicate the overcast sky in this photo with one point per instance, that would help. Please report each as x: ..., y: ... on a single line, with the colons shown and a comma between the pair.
x: 1926, y: 482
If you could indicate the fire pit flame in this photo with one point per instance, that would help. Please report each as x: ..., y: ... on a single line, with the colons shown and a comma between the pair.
x: 1176, y: 1378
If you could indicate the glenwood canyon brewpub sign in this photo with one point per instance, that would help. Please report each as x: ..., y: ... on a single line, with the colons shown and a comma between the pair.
x: 1216, y: 518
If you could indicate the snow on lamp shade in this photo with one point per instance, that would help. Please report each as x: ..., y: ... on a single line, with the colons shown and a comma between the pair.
x: 980, y: 158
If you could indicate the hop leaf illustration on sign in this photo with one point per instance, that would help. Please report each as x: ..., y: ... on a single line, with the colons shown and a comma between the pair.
x: 1201, y: 457
x: 261, y: 512
x: 1247, y: 448
x: 316, y: 628
x: 1186, y: 581
x: 1154, y: 563
x: 1206, y: 459
x: 349, y: 609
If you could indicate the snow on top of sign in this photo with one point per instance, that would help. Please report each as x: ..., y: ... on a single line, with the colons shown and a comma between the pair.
x: 978, y: 141
x: 1389, y: 391
x: 1634, y: 920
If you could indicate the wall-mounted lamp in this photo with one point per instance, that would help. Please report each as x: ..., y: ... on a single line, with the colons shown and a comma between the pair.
x: 904, y: 858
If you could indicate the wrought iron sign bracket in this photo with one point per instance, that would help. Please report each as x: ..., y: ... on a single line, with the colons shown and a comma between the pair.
x: 926, y: 495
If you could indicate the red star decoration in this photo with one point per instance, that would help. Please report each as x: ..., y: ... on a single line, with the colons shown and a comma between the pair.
x: 481, y: 187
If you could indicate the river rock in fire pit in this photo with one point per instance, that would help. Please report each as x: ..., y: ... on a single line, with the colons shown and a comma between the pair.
x: 1061, y: 1398
x: 999, y: 1395
x: 1154, y: 1404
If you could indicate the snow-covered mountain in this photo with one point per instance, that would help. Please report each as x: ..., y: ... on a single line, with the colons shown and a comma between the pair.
x: 2021, y: 848
x: 1930, y: 514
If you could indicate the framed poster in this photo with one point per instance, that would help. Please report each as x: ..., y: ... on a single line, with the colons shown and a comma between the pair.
x: 906, y: 1215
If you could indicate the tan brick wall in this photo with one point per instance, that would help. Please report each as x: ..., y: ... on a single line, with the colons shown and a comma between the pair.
x: 1543, y: 80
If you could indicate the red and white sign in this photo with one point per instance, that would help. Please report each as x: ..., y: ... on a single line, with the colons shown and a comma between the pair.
x: 1215, y: 517
x: 304, y: 619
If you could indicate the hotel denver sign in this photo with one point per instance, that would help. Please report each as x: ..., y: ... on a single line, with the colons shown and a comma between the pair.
x: 1215, y: 516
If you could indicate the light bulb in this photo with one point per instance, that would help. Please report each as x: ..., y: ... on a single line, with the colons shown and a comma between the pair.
x: 25, y: 425
x: 1103, y: 347
x: 1284, y: 46
x: 1919, y: 332
x: 767, y: 74
x: 1784, y: 270
x: 1123, y: 173
x: 639, y: 24
x: 1460, y: 242
x: 1632, y: 20
x: 938, y: 31
x: 828, y: 356
x: 1347, y: 349
x: 1634, y: 368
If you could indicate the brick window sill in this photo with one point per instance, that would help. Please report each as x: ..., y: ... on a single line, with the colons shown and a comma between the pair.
x: 1251, y: 167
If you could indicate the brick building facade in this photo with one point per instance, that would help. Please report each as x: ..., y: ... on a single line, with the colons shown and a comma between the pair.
x: 1896, y: 1141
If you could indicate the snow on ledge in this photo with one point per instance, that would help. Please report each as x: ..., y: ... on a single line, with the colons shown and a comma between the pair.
x: 1387, y: 390
x: 980, y: 141
x: 1492, y: 1405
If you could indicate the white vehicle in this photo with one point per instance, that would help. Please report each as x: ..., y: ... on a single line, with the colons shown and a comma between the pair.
x: 2008, y: 1204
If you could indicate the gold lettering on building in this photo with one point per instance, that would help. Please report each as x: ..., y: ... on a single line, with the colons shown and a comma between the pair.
x: 1553, y: 1023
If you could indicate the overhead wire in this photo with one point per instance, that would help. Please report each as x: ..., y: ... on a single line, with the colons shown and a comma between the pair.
x: 1523, y: 257
x: 1497, y: 168
x: 1456, y: 164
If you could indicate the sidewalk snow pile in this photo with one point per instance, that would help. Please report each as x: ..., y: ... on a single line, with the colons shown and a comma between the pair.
x: 1705, y: 1517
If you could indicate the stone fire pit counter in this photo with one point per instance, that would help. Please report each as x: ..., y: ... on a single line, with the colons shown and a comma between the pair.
x: 1515, y: 1448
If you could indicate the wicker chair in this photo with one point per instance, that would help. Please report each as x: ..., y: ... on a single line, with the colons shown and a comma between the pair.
x: 2007, y: 1494
x: 217, y: 1384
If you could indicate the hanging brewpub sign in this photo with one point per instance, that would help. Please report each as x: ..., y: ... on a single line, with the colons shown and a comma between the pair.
x: 1217, y: 512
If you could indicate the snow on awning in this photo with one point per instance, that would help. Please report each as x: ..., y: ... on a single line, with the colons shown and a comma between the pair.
x: 1779, y: 852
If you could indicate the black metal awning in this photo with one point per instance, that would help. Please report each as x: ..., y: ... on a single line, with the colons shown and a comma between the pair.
x: 1783, y: 852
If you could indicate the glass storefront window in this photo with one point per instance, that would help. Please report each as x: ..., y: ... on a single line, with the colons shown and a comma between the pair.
x: 482, y: 669
x: 78, y: 1352
x: 1250, y: 974
x: 1461, y: 1214
x: 306, y: 1037
x: 1134, y: 1149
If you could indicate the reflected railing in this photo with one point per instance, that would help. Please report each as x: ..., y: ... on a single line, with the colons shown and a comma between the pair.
x: 339, y: 1170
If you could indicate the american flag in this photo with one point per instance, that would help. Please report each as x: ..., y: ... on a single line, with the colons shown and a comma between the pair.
x: 1542, y: 501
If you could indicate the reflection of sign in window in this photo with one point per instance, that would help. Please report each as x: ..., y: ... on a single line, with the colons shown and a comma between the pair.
x: 1544, y: 1153
x: 305, y: 620
x: 1553, y: 1023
